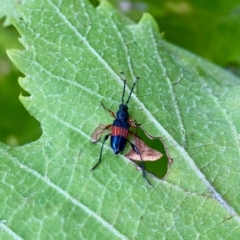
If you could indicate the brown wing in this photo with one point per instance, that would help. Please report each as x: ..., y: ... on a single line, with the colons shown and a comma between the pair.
x: 148, y: 154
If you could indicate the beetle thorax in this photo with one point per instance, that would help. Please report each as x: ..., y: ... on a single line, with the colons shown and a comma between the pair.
x: 122, y: 112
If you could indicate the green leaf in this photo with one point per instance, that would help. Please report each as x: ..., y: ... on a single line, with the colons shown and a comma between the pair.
x: 74, y: 54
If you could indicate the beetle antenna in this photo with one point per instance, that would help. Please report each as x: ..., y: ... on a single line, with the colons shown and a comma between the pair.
x: 132, y: 90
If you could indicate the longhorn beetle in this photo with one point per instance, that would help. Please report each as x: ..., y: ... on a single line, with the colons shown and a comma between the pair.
x: 120, y: 130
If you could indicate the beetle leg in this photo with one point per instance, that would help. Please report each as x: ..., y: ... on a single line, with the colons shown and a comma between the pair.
x: 133, y: 123
x: 111, y: 112
x: 135, y: 149
x: 100, y: 157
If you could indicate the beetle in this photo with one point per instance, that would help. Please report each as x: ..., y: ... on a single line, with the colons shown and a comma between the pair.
x: 120, y: 129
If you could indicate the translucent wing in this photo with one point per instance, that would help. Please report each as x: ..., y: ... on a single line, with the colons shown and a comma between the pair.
x: 97, y: 133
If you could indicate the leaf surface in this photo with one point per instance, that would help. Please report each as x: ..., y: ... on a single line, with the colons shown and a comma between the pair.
x: 72, y: 60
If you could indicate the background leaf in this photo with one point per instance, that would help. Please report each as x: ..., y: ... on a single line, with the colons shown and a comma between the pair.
x: 72, y: 59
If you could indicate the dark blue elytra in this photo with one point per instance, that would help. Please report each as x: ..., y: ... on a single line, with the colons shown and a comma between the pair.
x: 120, y: 130
x: 119, y: 135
